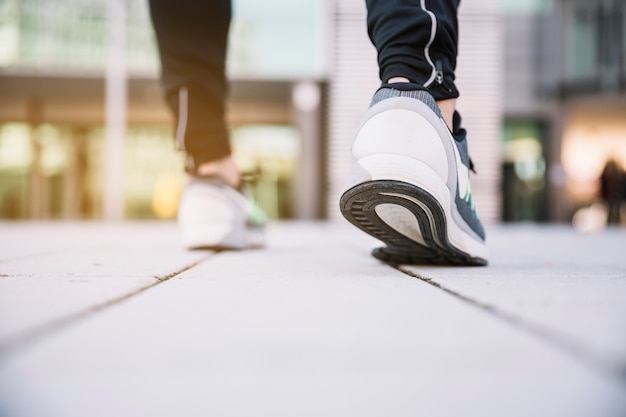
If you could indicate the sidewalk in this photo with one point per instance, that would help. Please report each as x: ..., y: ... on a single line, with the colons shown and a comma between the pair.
x: 117, y: 320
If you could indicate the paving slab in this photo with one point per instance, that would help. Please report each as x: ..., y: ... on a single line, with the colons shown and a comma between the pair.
x: 567, y: 286
x: 51, y: 272
x: 310, y: 326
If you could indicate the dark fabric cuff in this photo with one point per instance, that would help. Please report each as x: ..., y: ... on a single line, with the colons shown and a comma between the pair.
x: 206, y: 147
x: 444, y: 91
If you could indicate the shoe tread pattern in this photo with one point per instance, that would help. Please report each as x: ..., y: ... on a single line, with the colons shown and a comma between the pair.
x: 358, y: 207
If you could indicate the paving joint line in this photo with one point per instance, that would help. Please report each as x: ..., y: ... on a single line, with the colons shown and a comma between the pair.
x: 615, y: 367
x: 18, y: 341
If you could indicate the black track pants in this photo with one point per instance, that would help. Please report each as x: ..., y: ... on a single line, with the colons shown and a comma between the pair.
x: 416, y: 39
x: 192, y: 36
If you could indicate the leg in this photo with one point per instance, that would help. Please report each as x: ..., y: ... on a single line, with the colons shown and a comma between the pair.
x: 409, y: 184
x: 192, y: 38
x: 417, y: 42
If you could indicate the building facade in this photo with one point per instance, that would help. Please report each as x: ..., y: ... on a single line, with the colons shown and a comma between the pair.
x: 565, y: 106
x: 56, y: 158
x: 296, y: 103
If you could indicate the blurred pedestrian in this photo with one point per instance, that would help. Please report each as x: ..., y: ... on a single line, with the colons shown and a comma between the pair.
x: 409, y: 183
x: 613, y: 189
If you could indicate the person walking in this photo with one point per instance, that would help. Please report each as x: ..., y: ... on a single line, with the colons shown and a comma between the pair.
x: 409, y: 182
x: 613, y: 190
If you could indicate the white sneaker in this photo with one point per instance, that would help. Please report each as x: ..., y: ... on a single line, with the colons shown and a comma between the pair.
x: 409, y: 184
x: 213, y: 215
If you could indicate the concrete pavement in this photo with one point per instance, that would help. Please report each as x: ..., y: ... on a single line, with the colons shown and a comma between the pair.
x: 116, y: 319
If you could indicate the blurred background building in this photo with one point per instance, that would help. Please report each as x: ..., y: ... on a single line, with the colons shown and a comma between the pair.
x: 542, y: 82
x: 54, y: 57
x: 565, y: 104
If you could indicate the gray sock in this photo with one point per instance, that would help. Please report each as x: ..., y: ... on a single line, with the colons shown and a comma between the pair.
x: 421, y: 95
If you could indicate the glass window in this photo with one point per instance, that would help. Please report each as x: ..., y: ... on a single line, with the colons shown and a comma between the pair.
x: 16, y: 156
x: 524, y: 169
x: 526, y: 6
x: 53, y: 171
x: 595, y: 41
x: 153, y: 173
x: 268, y: 156
x: 582, y: 41
x: 269, y: 39
x: 278, y: 38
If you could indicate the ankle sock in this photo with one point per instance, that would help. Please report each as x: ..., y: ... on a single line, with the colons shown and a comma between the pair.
x: 410, y: 90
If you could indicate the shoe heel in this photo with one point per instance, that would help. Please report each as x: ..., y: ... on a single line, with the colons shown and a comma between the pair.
x: 411, y: 133
x: 403, y: 169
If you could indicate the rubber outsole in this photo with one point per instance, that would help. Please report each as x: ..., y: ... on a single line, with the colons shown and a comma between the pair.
x: 358, y: 206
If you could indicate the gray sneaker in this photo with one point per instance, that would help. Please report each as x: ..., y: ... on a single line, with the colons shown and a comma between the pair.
x: 213, y: 215
x: 409, y: 184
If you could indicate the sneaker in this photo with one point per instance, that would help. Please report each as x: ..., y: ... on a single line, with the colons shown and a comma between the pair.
x: 213, y: 215
x: 409, y: 184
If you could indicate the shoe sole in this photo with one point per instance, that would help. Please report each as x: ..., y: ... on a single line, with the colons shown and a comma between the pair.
x: 213, y: 237
x: 372, y: 204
